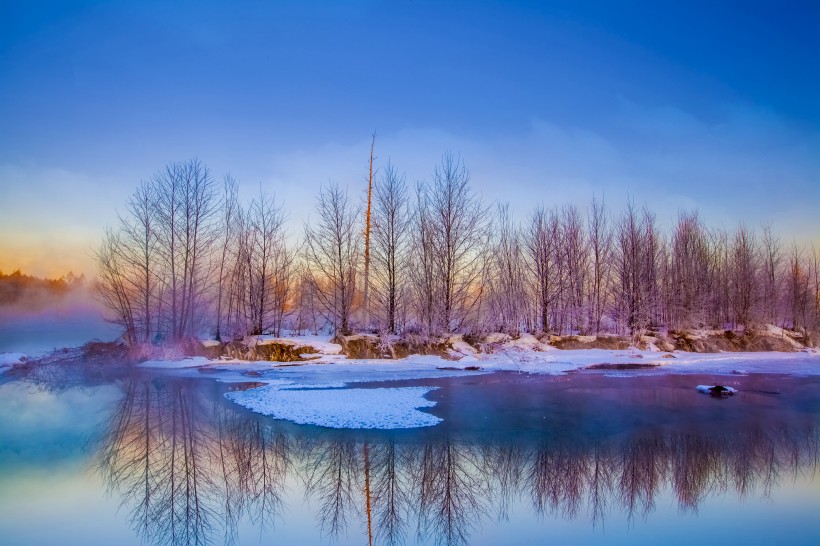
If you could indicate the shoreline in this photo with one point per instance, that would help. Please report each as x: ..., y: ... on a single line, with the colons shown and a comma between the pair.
x: 333, y: 391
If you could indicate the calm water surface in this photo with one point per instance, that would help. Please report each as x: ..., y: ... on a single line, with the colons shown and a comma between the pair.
x: 94, y: 456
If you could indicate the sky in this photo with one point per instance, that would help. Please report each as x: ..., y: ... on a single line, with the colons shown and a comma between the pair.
x: 676, y: 105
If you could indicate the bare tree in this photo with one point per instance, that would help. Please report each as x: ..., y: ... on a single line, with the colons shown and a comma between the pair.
x: 184, y: 210
x: 308, y: 305
x: 745, y: 287
x: 113, y: 285
x: 771, y: 260
x: 269, y: 263
x: 229, y: 212
x: 799, y: 288
x: 507, y: 285
x: 332, y: 254
x: 391, y: 222
x: 574, y: 260
x: 814, y: 280
x: 636, y: 295
x: 720, y: 301
x: 459, y: 232
x: 689, y: 275
x: 541, y: 241
x: 366, y: 302
x: 600, y: 249
x: 423, y: 273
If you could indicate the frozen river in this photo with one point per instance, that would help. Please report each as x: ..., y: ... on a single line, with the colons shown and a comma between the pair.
x: 108, y: 455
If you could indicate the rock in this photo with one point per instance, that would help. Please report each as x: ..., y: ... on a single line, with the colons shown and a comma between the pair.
x: 717, y: 391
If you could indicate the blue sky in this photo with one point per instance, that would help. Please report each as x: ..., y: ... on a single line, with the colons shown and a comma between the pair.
x: 714, y: 105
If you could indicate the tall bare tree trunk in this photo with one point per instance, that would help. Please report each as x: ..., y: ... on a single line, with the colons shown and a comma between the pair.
x: 367, y: 239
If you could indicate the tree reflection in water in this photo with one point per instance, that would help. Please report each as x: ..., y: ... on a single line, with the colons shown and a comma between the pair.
x: 189, y: 466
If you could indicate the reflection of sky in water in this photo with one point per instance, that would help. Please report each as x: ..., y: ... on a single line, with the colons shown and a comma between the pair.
x: 309, y: 482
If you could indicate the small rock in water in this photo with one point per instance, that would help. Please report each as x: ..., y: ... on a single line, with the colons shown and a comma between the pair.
x: 718, y: 391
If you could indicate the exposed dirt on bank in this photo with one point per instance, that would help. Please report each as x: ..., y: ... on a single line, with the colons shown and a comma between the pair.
x: 455, y: 347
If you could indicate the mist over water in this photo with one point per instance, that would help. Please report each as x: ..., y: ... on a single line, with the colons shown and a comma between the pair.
x: 39, y: 321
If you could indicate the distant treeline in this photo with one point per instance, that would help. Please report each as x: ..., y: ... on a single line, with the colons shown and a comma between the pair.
x: 433, y: 258
x: 18, y: 287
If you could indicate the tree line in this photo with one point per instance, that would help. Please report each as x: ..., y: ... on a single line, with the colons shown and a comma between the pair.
x: 187, y: 258
x: 17, y: 287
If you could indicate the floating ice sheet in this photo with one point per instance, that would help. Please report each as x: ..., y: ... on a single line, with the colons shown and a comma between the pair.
x: 383, y: 408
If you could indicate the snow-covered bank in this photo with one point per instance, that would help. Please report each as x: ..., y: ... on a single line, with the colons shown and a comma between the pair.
x: 327, y: 390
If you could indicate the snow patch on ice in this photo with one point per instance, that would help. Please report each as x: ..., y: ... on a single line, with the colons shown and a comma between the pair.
x: 383, y: 408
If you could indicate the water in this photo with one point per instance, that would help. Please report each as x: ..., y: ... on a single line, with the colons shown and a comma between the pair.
x: 103, y: 455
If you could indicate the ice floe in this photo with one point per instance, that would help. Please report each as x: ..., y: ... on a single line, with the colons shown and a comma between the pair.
x: 380, y: 408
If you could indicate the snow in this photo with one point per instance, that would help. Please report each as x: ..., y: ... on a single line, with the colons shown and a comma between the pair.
x: 321, y: 344
x: 651, y: 344
x: 462, y: 347
x: 528, y: 342
x: 209, y: 343
x: 497, y: 337
x: 461, y: 350
x: 773, y: 330
x: 8, y: 360
x: 383, y: 408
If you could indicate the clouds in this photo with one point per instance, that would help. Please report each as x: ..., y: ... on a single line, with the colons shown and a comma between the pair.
x: 748, y: 166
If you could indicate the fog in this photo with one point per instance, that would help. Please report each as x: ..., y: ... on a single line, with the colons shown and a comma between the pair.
x: 37, y: 316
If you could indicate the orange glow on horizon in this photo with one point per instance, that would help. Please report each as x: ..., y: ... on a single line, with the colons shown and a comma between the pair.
x: 46, y: 257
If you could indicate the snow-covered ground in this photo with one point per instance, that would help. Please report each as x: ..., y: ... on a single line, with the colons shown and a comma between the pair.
x: 322, y: 344
x: 329, y: 390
